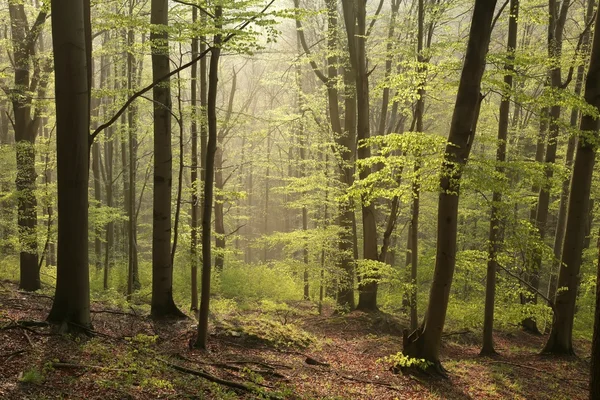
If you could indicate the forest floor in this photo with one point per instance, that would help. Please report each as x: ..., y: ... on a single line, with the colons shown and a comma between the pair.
x: 285, y: 353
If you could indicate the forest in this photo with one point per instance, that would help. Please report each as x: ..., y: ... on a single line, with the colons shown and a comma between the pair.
x: 294, y: 199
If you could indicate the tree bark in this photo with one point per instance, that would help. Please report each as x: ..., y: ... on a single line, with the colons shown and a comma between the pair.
x: 211, y: 149
x: 496, y: 235
x: 162, y: 305
x: 194, y: 170
x: 425, y: 342
x: 560, y: 340
x: 26, y: 125
x: 70, y: 24
x: 556, y: 26
x: 355, y: 15
x: 564, y: 194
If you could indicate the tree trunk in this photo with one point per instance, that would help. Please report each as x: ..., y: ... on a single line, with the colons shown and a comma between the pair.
x: 71, y: 38
x: 555, y: 35
x: 595, y: 359
x: 496, y: 235
x: 564, y: 194
x: 425, y: 342
x: 355, y: 15
x: 560, y: 340
x: 26, y: 127
x: 163, y: 305
x: 98, y: 200
x: 194, y: 170
x: 211, y: 149
x: 133, y: 280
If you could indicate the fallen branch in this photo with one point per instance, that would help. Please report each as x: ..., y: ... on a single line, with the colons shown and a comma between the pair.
x: 536, y: 370
x: 369, y: 382
x: 67, y: 365
x: 9, y: 356
x: 456, y: 333
x: 212, y: 378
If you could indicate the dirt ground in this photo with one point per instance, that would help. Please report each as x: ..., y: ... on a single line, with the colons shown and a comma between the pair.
x: 130, y: 356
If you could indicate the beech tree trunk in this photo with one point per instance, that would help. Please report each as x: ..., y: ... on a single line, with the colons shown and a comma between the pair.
x: 26, y: 125
x: 70, y: 29
x: 163, y: 305
x: 560, y: 340
x: 355, y: 16
x: 194, y: 170
x: 496, y: 236
x: 564, y: 194
x: 211, y: 149
x: 425, y: 342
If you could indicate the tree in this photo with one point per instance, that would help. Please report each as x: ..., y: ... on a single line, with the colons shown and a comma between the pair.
x: 425, y: 342
x: 496, y: 223
x: 560, y: 340
x: 163, y: 305
x: 355, y: 16
x: 556, y: 25
x: 211, y: 149
x: 26, y: 125
x: 595, y: 360
x: 71, y: 38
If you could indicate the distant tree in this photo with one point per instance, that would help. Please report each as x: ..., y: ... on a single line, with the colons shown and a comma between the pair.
x: 425, y: 342
x: 71, y: 39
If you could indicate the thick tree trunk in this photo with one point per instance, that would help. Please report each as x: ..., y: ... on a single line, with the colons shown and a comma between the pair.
x: 211, y: 149
x: 71, y: 306
x: 163, y: 305
x: 560, y: 340
x: 496, y: 236
x: 425, y: 342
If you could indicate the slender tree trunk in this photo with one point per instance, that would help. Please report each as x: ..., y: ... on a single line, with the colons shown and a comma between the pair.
x: 71, y: 39
x: 211, y: 149
x: 564, y: 194
x: 425, y: 342
x: 163, y: 305
x: 26, y: 127
x: 496, y: 235
x: 133, y: 281
x: 194, y: 170
x: 560, y: 340
x: 555, y: 34
x: 98, y: 200
x: 355, y: 16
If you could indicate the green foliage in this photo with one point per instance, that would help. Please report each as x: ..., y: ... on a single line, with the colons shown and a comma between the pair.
x: 262, y: 328
x: 399, y: 361
x: 32, y: 376
x: 259, y: 281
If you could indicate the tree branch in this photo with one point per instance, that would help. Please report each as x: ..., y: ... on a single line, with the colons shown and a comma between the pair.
x: 144, y: 90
